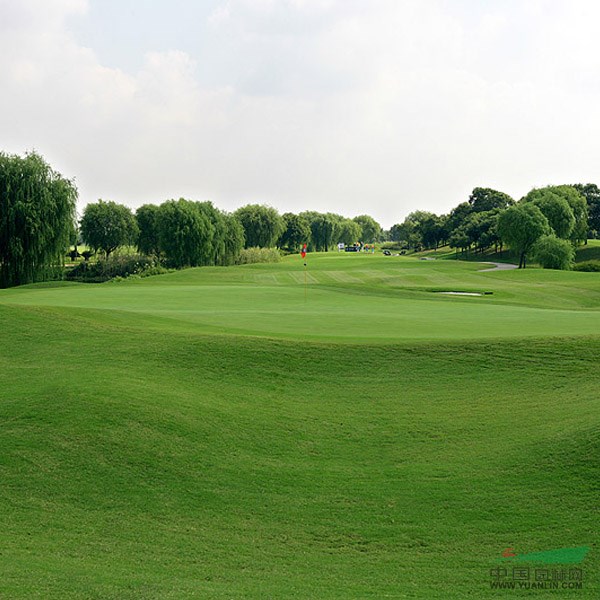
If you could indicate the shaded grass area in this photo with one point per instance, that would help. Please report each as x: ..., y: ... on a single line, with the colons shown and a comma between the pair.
x: 137, y: 465
x: 588, y: 251
x: 591, y: 251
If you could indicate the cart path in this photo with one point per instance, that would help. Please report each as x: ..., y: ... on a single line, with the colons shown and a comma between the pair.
x: 499, y: 266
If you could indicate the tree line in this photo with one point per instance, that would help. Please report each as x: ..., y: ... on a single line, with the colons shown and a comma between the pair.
x: 547, y: 223
x: 38, y: 222
x: 188, y: 234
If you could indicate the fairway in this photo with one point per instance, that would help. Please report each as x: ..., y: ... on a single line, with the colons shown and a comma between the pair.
x: 236, y: 433
x: 360, y: 299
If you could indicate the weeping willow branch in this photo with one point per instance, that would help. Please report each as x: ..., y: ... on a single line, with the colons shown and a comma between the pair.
x: 37, y: 216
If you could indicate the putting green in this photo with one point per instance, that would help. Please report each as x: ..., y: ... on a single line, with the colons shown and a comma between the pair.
x: 347, y: 303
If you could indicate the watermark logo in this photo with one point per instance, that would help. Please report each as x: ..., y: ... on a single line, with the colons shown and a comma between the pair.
x: 541, y: 575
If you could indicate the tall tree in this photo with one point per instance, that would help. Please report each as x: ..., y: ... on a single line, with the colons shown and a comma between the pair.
x: 370, y: 228
x: 348, y: 232
x: 234, y: 240
x: 262, y: 225
x: 591, y: 193
x: 322, y: 228
x: 107, y: 226
x: 147, y: 221
x: 556, y: 209
x: 554, y: 253
x: 185, y: 233
x: 37, y: 214
x: 484, y: 199
x: 215, y: 247
x: 579, y: 205
x: 458, y: 216
x: 296, y: 232
x: 521, y: 226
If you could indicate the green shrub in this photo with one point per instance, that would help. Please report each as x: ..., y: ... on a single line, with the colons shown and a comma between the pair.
x: 393, y: 246
x: 249, y: 256
x: 120, y: 266
x: 554, y: 253
x: 590, y: 266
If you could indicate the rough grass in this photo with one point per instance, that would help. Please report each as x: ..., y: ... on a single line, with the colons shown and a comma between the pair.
x: 142, y: 456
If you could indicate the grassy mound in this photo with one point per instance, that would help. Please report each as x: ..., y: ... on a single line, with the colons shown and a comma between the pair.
x: 165, y: 438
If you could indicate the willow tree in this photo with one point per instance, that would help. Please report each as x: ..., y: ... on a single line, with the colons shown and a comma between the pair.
x: 107, y: 226
x: 521, y: 226
x: 37, y: 216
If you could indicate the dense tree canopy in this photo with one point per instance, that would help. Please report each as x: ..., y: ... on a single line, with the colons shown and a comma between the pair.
x: 554, y: 253
x: 262, y: 225
x: 348, y: 232
x: 578, y: 204
x: 485, y: 199
x: 591, y: 193
x: 369, y: 227
x: 296, y: 232
x: 147, y: 221
x: 192, y: 234
x: 556, y: 209
x: 185, y: 233
x: 521, y: 226
x: 234, y: 240
x: 107, y: 225
x: 37, y: 214
x: 322, y: 228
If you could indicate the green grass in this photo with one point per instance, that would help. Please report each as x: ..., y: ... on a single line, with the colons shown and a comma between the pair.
x: 591, y: 251
x: 212, y: 434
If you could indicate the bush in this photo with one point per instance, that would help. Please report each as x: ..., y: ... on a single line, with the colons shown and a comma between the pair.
x: 394, y: 246
x: 554, y: 253
x: 249, y: 256
x: 590, y: 266
x: 117, y: 266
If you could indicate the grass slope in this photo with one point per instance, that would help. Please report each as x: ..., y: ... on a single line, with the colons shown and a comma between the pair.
x: 144, y: 456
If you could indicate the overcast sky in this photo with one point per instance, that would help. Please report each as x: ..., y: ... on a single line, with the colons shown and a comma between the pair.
x: 372, y: 106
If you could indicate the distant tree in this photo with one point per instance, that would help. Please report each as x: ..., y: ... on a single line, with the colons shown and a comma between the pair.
x: 580, y: 209
x: 591, y: 193
x: 370, y: 229
x: 107, y: 226
x: 262, y: 225
x: 216, y: 246
x: 234, y: 240
x: 554, y: 253
x: 481, y: 229
x: 521, y: 226
x: 556, y: 209
x: 185, y: 233
x: 422, y: 228
x: 322, y: 228
x: 348, y: 232
x: 406, y: 233
x: 37, y: 214
x: 458, y: 216
x: 460, y: 239
x: 485, y: 199
x: 431, y: 230
x: 396, y: 233
x: 296, y: 232
x: 147, y: 221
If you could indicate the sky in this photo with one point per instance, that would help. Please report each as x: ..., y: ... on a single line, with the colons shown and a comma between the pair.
x: 377, y: 107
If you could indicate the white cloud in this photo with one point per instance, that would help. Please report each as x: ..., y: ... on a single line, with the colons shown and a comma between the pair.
x: 382, y: 107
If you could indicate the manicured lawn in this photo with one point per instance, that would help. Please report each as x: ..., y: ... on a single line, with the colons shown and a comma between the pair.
x: 212, y: 434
